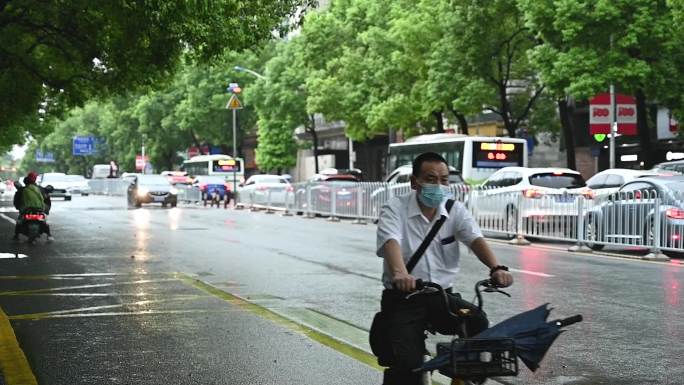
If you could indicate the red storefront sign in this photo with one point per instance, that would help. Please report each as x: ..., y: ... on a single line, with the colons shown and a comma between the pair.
x: 600, y: 114
x: 139, y: 163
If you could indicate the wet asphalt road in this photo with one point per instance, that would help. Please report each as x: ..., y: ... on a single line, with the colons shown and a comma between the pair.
x: 147, y: 324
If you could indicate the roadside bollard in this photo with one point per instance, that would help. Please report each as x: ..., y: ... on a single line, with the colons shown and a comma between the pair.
x: 656, y: 254
x: 360, y: 220
x: 519, y: 237
x: 237, y: 201
x: 333, y: 203
x: 580, y: 245
x: 309, y: 212
x: 287, y: 212
x: 269, y: 208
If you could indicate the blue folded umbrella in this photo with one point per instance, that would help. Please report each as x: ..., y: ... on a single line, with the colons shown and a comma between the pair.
x: 532, y: 333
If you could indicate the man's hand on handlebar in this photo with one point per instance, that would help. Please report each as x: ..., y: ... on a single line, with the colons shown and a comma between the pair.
x: 502, y: 278
x: 404, y: 282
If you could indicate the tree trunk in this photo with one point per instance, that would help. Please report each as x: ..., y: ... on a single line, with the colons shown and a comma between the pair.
x: 196, y: 141
x: 643, y: 130
x: 568, y: 132
x: 314, y: 138
x: 462, y: 122
x: 439, y: 119
x: 505, y: 111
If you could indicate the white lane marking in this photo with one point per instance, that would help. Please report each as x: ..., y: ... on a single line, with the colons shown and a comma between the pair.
x: 533, y: 273
x: 12, y: 256
x: 12, y: 221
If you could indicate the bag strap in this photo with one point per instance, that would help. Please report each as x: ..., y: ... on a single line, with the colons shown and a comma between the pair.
x: 426, y: 242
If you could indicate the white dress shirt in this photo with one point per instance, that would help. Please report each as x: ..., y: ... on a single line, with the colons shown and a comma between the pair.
x: 402, y: 220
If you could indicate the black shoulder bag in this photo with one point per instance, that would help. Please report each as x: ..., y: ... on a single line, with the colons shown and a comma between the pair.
x: 379, y: 331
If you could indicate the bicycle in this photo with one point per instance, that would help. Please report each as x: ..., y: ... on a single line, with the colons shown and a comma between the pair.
x: 473, y: 360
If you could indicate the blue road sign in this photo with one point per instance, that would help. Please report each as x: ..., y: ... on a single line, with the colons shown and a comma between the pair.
x: 47, y: 157
x: 84, y: 145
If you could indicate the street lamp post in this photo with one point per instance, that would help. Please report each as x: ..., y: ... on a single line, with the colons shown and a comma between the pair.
x: 243, y: 69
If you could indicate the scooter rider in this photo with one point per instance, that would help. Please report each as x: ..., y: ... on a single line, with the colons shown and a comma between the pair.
x: 31, y: 196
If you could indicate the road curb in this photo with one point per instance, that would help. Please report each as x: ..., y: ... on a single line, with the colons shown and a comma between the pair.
x: 15, y: 367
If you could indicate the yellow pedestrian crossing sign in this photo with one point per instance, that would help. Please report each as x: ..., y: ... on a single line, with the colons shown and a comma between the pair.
x: 234, y: 103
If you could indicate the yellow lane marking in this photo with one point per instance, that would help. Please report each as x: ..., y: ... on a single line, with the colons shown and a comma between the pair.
x: 322, y: 338
x: 117, y: 314
x: 48, y: 314
x: 15, y: 368
x: 31, y: 291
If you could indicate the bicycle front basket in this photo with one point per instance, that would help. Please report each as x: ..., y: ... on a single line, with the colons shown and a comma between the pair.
x: 479, y: 357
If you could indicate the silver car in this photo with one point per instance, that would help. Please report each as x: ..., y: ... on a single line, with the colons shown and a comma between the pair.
x: 60, y: 184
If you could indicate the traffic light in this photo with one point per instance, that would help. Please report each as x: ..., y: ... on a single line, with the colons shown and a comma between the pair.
x: 234, y: 88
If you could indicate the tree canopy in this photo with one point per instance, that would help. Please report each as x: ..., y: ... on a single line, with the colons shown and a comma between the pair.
x: 62, y: 53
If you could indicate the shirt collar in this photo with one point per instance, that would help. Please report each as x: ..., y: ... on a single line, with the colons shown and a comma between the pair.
x: 414, y: 209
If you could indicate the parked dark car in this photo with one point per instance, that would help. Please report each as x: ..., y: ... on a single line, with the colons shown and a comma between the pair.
x: 631, y: 215
x: 151, y: 189
x: 345, y: 187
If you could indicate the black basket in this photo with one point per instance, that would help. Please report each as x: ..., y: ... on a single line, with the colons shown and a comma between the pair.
x: 479, y: 357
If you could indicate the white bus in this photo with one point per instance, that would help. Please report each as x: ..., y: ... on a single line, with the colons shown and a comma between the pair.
x: 475, y: 157
x: 217, y: 164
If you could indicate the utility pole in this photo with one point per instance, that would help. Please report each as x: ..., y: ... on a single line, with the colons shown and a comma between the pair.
x: 351, y: 154
x: 142, y: 150
x: 234, y: 104
x: 613, y: 120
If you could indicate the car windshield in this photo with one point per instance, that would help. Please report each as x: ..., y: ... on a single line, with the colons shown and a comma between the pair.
x: 341, y: 179
x: 455, y: 178
x: 557, y: 180
x: 54, y: 178
x: 270, y: 179
x: 211, y: 180
x: 152, y: 180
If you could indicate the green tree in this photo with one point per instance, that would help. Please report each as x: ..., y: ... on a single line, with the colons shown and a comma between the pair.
x: 576, y: 57
x: 490, y: 55
x: 280, y: 101
x: 67, y: 52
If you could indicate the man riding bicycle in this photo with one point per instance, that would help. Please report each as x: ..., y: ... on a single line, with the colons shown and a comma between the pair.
x: 402, y: 227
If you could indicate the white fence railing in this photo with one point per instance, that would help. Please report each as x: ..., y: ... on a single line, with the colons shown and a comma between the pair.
x: 119, y: 187
x: 641, y: 219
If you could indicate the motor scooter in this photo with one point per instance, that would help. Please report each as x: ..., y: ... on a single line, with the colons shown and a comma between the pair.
x: 33, y: 224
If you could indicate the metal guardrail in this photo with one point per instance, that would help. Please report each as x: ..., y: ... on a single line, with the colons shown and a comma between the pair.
x: 119, y: 187
x: 116, y: 187
x: 642, y: 219
x: 638, y: 219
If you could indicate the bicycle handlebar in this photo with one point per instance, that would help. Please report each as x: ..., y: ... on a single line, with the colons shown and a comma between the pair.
x: 488, y: 285
x: 569, y: 321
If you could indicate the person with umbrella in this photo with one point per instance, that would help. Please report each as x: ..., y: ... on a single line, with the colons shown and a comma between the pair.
x: 403, y: 224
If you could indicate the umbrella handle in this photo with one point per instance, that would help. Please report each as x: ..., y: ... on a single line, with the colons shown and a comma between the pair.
x: 569, y: 320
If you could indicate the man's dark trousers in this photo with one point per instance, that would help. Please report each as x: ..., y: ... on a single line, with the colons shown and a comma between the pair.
x: 408, y: 321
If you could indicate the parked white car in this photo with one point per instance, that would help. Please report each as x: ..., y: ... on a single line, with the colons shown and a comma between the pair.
x: 609, y: 181
x: 540, y: 195
x: 60, y: 183
x: 77, y: 184
x: 676, y: 166
x: 264, y: 188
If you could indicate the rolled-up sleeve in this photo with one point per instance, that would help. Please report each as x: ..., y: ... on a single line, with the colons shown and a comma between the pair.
x: 389, y: 226
x: 466, y: 229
